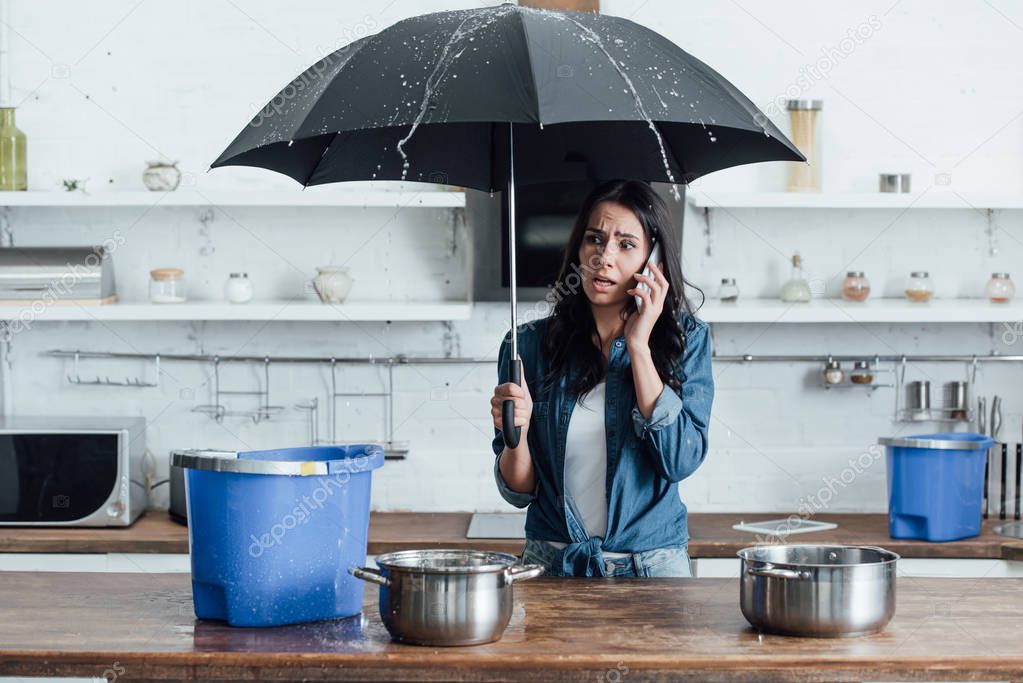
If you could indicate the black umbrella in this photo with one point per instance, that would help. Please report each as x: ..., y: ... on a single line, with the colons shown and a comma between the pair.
x: 487, y: 98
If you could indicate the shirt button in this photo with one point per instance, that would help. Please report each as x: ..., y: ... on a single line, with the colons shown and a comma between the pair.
x: 618, y: 343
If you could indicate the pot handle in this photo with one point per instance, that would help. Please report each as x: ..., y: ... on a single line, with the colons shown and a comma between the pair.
x: 521, y: 572
x: 770, y: 571
x: 368, y: 574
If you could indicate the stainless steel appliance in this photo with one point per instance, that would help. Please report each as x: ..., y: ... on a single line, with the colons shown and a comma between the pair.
x: 817, y: 590
x: 71, y: 471
x: 446, y: 597
x: 79, y: 274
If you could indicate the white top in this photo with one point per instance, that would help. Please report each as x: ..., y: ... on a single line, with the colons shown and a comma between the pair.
x: 586, y: 463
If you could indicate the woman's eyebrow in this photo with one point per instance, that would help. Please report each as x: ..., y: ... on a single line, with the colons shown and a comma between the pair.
x: 617, y: 232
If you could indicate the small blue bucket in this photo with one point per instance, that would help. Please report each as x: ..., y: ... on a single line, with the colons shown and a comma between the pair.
x: 936, y: 485
x: 272, y: 533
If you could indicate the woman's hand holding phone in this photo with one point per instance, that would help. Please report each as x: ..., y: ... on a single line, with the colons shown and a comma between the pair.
x: 650, y: 292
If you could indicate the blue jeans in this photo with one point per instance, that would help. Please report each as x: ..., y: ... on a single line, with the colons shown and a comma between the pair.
x: 659, y: 562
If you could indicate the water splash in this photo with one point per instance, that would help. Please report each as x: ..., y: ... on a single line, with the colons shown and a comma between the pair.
x: 468, y: 27
x: 590, y: 36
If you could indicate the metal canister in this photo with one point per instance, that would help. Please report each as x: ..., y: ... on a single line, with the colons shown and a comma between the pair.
x: 893, y: 182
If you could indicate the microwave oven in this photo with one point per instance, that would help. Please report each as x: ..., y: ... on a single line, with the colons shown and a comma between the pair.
x: 71, y: 471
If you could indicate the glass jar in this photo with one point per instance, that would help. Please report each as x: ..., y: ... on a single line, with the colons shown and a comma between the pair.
x: 861, y: 373
x: 833, y: 373
x: 238, y: 288
x: 797, y: 289
x: 805, y: 120
x: 919, y: 288
x: 13, y: 167
x: 729, y: 291
x: 1000, y: 288
x: 167, y: 286
x: 855, y: 286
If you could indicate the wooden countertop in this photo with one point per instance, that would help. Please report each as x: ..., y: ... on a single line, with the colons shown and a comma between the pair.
x: 711, y: 535
x: 141, y: 627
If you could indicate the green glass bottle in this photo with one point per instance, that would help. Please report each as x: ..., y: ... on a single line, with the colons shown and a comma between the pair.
x: 13, y: 167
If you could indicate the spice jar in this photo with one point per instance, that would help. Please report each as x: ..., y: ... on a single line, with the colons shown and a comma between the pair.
x: 855, y: 286
x: 919, y: 287
x: 1000, y: 288
x: 805, y: 119
x: 238, y: 288
x: 833, y: 373
x: 729, y: 291
x: 861, y: 373
x: 166, y: 286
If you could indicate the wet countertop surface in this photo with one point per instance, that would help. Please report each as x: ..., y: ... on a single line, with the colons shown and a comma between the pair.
x: 141, y: 627
x: 711, y: 535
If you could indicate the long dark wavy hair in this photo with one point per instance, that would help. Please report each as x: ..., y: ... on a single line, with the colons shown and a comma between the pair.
x: 571, y: 327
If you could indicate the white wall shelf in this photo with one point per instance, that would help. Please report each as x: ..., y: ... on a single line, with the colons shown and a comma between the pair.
x: 276, y: 311
x: 932, y: 199
x: 870, y: 311
x: 192, y: 198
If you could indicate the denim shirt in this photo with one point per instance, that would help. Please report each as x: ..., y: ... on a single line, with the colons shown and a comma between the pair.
x: 645, y: 458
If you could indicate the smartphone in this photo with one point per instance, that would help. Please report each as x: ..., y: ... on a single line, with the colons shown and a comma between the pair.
x: 655, y: 259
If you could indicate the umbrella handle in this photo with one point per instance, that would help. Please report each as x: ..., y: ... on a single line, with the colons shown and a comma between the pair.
x: 510, y: 431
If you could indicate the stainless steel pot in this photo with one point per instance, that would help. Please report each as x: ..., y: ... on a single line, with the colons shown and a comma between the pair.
x: 446, y: 597
x: 818, y: 590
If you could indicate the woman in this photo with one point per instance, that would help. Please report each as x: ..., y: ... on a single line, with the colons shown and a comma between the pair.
x: 622, y: 400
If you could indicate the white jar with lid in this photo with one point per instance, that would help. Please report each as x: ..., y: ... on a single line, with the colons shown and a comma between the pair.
x: 167, y: 286
x: 238, y: 288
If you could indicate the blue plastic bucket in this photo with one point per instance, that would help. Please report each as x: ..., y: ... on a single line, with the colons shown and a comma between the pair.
x: 936, y: 485
x: 272, y: 533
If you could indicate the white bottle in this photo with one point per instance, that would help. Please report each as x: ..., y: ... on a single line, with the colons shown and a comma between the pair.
x: 238, y: 288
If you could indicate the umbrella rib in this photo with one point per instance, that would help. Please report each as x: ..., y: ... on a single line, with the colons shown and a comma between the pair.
x: 357, y: 45
x: 320, y: 160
